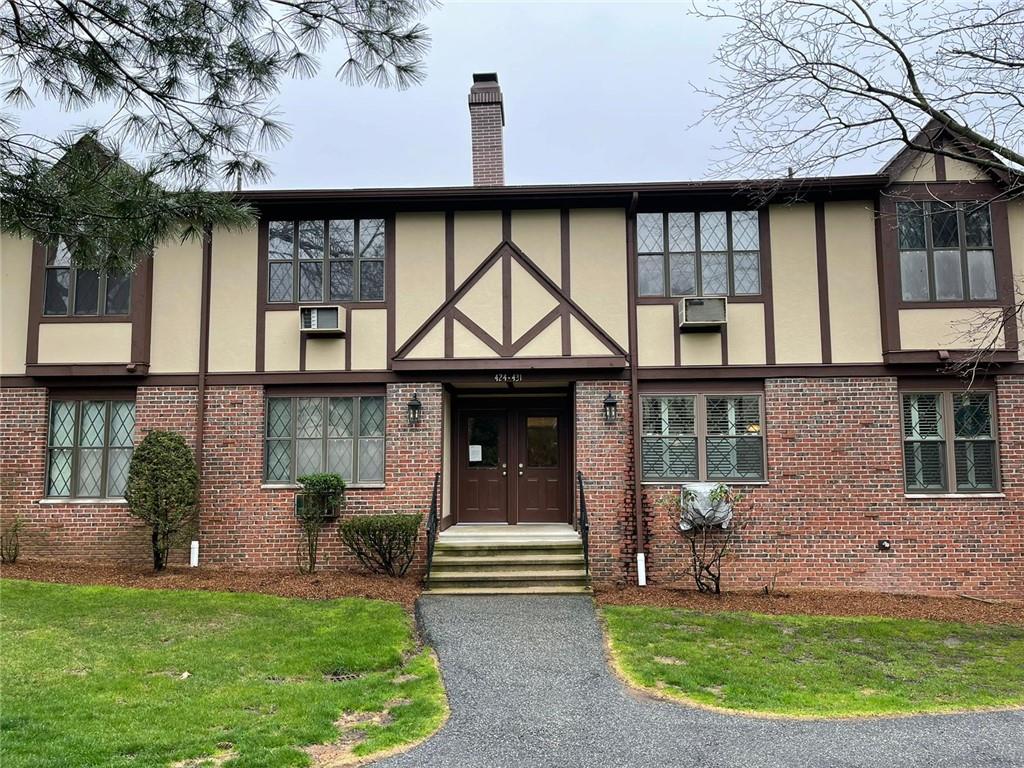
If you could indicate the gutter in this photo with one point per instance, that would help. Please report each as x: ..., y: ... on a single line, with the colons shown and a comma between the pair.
x: 204, y: 365
x: 634, y: 388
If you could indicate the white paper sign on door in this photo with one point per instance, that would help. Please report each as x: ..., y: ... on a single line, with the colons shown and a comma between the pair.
x: 476, y: 453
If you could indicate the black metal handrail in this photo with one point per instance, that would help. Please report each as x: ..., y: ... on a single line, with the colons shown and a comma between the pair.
x: 584, y: 524
x: 432, y: 523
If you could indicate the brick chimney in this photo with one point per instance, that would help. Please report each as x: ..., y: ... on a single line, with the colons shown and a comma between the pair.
x: 487, y: 118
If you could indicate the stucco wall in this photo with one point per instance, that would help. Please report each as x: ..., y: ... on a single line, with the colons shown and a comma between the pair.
x: 233, y: 301
x: 795, y: 284
x: 177, y: 300
x: 15, y: 281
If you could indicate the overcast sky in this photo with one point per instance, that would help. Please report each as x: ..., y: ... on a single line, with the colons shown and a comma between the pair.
x: 594, y: 92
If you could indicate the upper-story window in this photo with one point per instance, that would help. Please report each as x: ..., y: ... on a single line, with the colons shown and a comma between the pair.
x: 335, y: 260
x: 946, y: 251
x: 710, y: 253
x: 72, y: 291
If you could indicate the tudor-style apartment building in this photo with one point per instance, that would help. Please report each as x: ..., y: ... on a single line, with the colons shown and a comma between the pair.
x: 534, y: 348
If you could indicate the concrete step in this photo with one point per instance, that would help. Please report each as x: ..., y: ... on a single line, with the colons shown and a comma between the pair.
x: 449, y: 562
x: 506, y: 549
x: 507, y: 590
x: 509, y: 579
x: 508, y: 574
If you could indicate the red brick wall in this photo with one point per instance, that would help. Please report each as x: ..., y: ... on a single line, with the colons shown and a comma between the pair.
x: 241, y: 523
x: 836, y: 487
x: 69, y: 530
x: 834, y: 465
x: 244, y: 524
x: 604, y: 455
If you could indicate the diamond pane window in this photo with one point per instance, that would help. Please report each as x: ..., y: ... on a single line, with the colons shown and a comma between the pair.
x: 651, y: 274
x: 711, y: 253
x: 650, y: 233
x: 317, y: 260
x: 702, y: 437
x: 90, y: 447
x: 942, y: 245
x: 936, y: 461
x: 683, y: 273
x: 682, y: 232
x: 371, y: 416
x: 344, y: 435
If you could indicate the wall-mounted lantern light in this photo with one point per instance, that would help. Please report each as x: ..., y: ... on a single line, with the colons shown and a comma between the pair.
x: 611, y: 408
x: 415, y: 410
x: 884, y: 545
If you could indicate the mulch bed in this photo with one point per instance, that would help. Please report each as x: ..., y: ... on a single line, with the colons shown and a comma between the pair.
x: 816, y: 603
x: 324, y: 585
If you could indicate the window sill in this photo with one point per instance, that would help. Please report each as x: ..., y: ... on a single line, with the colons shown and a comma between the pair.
x: 54, y: 500
x: 954, y: 495
x: 296, y: 486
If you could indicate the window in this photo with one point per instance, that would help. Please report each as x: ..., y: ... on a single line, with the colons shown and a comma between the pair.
x: 316, y: 261
x: 946, y: 429
x: 344, y: 435
x: 72, y: 291
x: 945, y: 251
x: 89, y: 447
x: 702, y: 437
x: 711, y: 253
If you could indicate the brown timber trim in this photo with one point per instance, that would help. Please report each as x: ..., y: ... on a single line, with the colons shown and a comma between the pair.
x: 506, y: 224
x: 955, y: 355
x: 946, y: 191
x: 506, y: 299
x: 302, y: 351
x: 77, y: 370
x: 566, y: 281
x: 537, y: 328
x: 506, y: 252
x: 389, y: 286
x: 824, y: 321
x: 204, y: 346
x: 634, y: 376
x: 35, y: 302
x: 889, y: 274
x: 724, y: 338
x: 449, y: 280
x: 261, y: 295
x: 667, y: 387
x: 499, y: 348
x: 348, y: 341
x: 485, y: 364
x: 1004, y: 271
x: 765, y: 237
x: 940, y: 167
x: 325, y: 390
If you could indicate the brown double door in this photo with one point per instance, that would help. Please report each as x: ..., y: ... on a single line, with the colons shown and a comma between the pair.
x: 512, y: 462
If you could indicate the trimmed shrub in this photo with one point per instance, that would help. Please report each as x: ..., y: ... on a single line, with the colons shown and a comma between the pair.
x: 163, y: 490
x: 382, y: 543
x: 320, y: 501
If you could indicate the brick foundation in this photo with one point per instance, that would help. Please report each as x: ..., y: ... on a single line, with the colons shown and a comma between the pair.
x: 835, y: 488
x: 835, y: 469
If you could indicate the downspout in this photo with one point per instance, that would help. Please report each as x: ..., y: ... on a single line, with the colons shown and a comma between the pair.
x: 638, y: 502
x: 204, y: 364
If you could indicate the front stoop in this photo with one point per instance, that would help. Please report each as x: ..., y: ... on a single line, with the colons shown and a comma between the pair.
x: 516, y: 560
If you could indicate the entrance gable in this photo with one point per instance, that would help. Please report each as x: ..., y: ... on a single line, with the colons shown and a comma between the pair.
x: 507, y: 308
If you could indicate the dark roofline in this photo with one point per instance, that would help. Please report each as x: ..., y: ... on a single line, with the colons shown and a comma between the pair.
x: 811, y: 188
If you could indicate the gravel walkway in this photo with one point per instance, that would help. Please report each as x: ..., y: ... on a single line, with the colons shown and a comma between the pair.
x: 529, y: 686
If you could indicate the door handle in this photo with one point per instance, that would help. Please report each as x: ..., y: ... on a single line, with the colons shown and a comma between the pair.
x: 504, y: 470
x: 520, y: 470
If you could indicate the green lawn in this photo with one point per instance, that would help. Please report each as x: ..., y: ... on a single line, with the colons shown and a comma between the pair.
x: 817, y: 665
x: 96, y: 676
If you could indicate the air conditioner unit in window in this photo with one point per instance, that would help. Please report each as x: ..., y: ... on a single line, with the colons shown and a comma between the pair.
x: 322, y: 321
x: 697, y: 312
